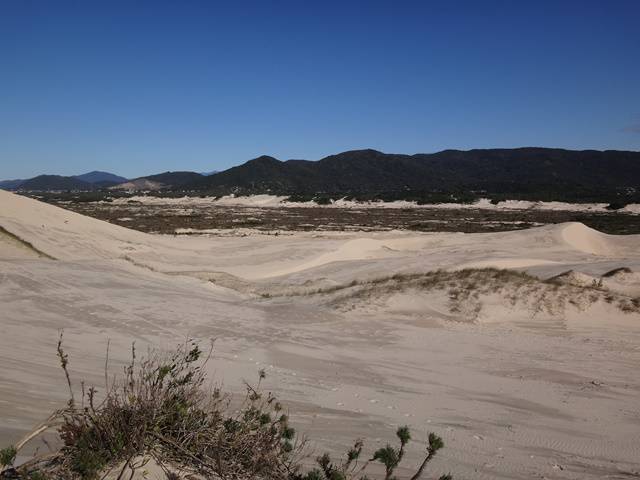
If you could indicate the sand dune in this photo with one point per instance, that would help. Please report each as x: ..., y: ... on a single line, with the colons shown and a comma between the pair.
x: 523, y: 377
x: 67, y: 235
x: 589, y: 240
x: 281, y: 201
x: 61, y: 233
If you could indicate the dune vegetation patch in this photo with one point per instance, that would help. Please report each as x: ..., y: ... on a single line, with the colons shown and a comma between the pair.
x: 16, y: 242
x: 160, y: 414
x: 467, y: 291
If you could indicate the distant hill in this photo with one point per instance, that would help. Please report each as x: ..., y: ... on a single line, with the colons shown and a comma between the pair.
x: 88, y: 181
x: 101, y: 178
x: 522, y: 171
x: 54, y: 182
x: 10, y: 184
x: 450, y: 175
x: 161, y: 181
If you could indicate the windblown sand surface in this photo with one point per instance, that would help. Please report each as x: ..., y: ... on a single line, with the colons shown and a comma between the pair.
x: 358, y: 332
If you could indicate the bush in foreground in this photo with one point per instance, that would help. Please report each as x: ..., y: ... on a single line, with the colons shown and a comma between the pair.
x: 160, y: 411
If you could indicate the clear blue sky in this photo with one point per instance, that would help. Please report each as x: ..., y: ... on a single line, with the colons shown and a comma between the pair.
x: 140, y: 87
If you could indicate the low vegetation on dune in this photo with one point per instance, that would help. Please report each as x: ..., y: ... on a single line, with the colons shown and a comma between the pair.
x: 11, y: 238
x: 160, y: 414
x: 465, y: 290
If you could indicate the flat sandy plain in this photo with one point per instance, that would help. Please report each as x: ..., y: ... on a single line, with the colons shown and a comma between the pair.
x: 522, y: 376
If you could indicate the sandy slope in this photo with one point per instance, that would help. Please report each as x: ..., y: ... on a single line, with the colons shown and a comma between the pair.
x: 516, y: 390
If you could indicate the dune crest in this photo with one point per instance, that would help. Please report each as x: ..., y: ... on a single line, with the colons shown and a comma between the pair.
x: 588, y: 240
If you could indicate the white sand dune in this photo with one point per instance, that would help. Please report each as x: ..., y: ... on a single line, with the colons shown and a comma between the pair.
x: 589, y: 240
x: 67, y: 235
x: 64, y: 234
x: 282, y: 202
x: 523, y: 378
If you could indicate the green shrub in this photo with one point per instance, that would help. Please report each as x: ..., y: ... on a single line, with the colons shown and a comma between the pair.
x: 160, y: 410
x: 8, y: 456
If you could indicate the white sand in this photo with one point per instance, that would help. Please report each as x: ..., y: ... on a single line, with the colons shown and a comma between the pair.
x: 516, y: 390
x: 281, y: 202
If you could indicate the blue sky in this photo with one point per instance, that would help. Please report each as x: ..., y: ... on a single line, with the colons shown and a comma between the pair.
x: 140, y: 87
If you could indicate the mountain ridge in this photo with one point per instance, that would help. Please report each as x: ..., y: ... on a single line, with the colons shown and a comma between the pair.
x: 524, y: 172
x: 87, y: 181
x: 100, y: 177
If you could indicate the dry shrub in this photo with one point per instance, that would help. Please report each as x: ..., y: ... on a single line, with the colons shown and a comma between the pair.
x: 159, y: 409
